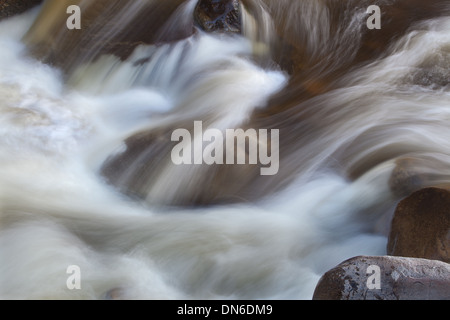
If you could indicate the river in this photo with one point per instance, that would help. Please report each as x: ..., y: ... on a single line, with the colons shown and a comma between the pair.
x: 86, y: 177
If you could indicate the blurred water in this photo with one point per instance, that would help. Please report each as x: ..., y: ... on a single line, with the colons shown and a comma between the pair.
x: 58, y: 210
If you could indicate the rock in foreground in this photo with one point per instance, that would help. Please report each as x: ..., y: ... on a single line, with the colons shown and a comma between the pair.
x: 386, y: 278
x: 421, y: 226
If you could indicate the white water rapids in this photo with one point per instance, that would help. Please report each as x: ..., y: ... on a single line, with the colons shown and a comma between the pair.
x: 56, y: 210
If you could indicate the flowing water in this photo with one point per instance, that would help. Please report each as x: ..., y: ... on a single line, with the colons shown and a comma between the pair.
x: 86, y: 177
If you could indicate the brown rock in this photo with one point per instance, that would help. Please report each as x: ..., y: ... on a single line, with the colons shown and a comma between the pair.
x: 10, y: 8
x: 136, y: 172
x: 218, y: 15
x: 398, y: 279
x: 421, y: 226
x: 107, y: 27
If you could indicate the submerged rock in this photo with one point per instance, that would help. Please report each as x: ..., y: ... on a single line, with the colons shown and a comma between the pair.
x: 107, y: 27
x: 421, y: 226
x: 386, y: 278
x: 10, y: 8
x: 218, y: 16
x: 412, y: 174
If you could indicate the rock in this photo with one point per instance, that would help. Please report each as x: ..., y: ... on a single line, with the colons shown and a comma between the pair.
x: 421, y: 226
x: 10, y: 8
x: 386, y: 278
x: 107, y: 27
x: 218, y: 16
x: 142, y: 172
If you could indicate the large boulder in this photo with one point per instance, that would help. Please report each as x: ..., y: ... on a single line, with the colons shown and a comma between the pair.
x: 386, y: 278
x: 10, y: 8
x: 421, y: 226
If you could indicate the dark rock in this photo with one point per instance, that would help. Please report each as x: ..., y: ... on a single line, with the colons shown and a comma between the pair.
x: 421, y: 226
x: 10, y: 8
x: 218, y: 16
x: 399, y: 279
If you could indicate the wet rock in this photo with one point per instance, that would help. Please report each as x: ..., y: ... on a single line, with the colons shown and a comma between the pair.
x: 386, y: 278
x: 142, y: 169
x: 107, y: 27
x: 421, y: 226
x: 10, y: 8
x: 218, y: 16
